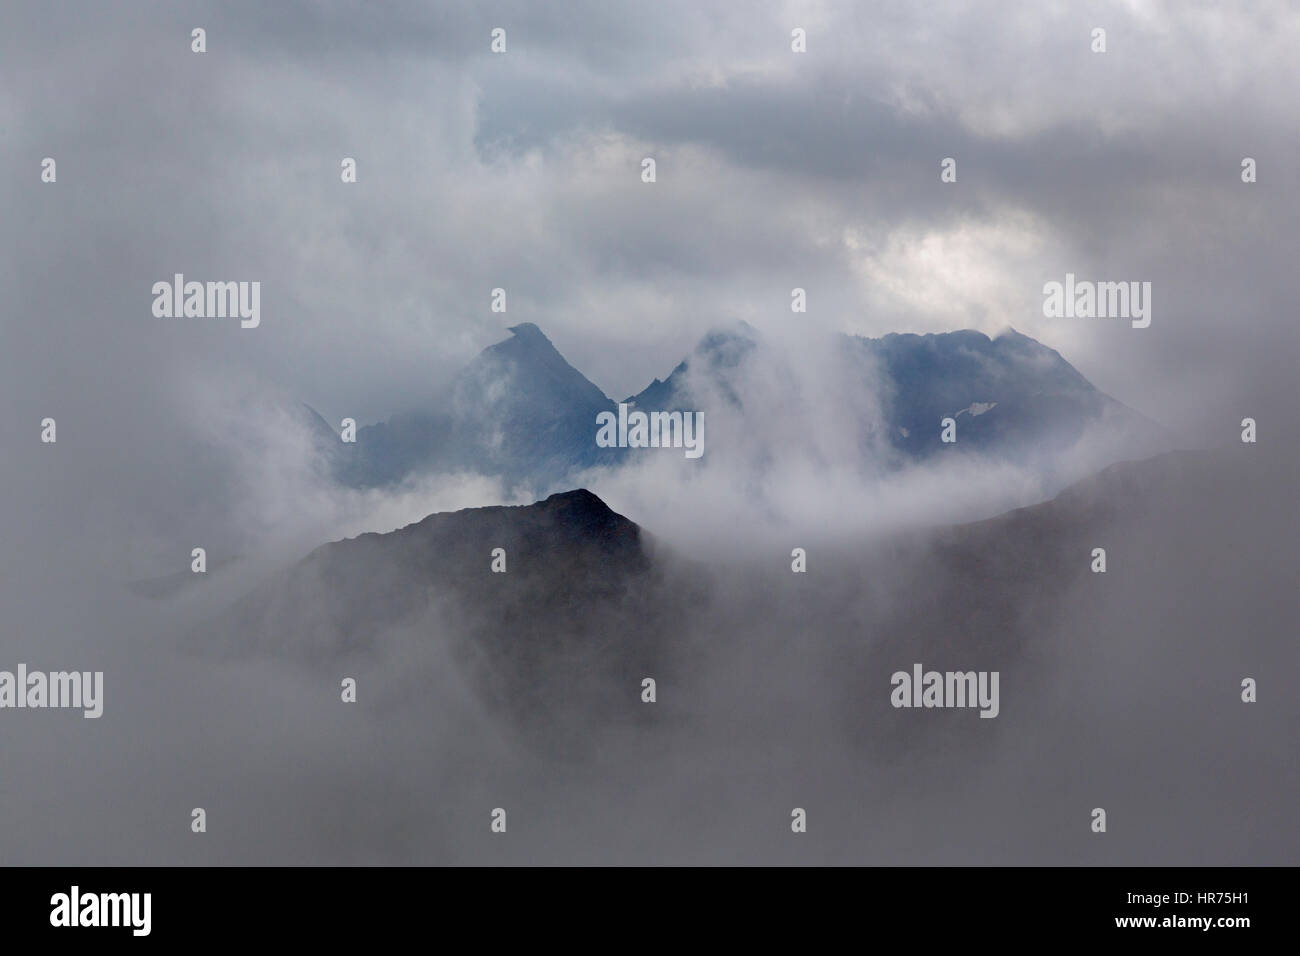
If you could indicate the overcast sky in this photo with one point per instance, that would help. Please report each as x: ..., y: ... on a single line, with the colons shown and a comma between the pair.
x: 522, y: 170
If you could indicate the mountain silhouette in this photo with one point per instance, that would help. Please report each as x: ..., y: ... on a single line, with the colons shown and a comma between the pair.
x: 1010, y: 397
x: 774, y: 676
x: 554, y: 603
x: 522, y: 412
x: 519, y: 411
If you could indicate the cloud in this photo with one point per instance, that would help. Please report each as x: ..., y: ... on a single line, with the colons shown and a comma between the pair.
x: 776, y: 170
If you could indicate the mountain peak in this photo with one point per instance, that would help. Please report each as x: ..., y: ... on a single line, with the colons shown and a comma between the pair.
x: 578, y: 496
x: 575, y: 510
x: 528, y: 347
x: 529, y: 332
x: 526, y: 340
x: 569, y: 554
x: 583, y: 508
x: 521, y: 407
x: 729, y: 340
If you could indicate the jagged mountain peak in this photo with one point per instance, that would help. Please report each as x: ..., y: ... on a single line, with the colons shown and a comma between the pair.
x: 722, y: 347
x: 527, y: 344
x: 525, y: 369
x: 521, y: 411
x: 527, y: 333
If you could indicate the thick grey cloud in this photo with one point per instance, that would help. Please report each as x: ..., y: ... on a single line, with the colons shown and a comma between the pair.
x: 775, y: 170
